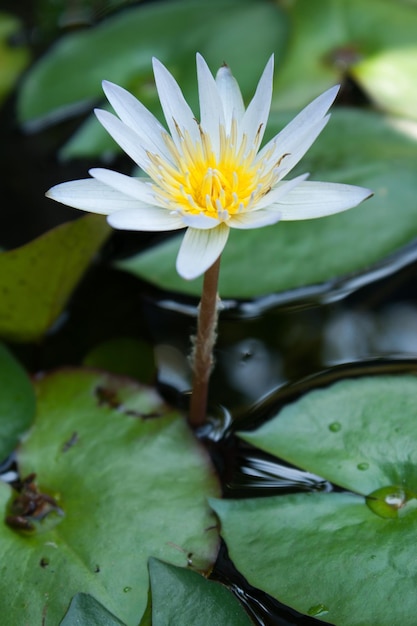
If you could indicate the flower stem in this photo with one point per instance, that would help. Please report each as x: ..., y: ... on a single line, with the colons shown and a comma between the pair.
x: 202, y: 356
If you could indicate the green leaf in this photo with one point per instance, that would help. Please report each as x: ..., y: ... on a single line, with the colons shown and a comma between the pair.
x: 37, y: 279
x: 332, y: 38
x: 17, y: 402
x: 389, y: 79
x: 357, y: 148
x: 342, y: 557
x: 84, y: 609
x: 181, y: 596
x: 326, y: 555
x: 359, y: 434
x: 13, y: 58
x: 121, y: 47
x: 179, y: 29
x: 132, y: 482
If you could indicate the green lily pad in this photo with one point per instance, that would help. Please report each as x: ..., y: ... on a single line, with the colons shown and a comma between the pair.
x: 357, y: 147
x: 17, y: 402
x: 342, y: 557
x: 84, y: 609
x: 359, y: 434
x: 13, y: 59
x: 37, y: 279
x: 325, y: 555
x: 129, y: 480
x: 120, y: 49
x: 181, y: 596
x: 389, y: 79
x: 332, y: 38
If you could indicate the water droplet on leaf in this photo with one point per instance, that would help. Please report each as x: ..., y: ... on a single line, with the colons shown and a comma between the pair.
x: 387, y: 501
x: 317, y: 609
x: 335, y: 427
x: 362, y: 466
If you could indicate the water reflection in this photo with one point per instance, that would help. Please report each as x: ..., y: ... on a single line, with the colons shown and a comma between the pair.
x: 270, y: 342
x: 259, y: 474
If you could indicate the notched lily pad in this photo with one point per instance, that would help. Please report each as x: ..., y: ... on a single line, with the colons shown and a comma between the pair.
x: 343, y: 557
x: 37, y: 279
x: 130, y: 481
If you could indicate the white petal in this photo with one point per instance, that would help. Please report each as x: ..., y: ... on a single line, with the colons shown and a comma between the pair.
x: 254, y: 219
x: 314, y: 199
x: 294, y: 153
x: 300, y: 148
x: 200, y: 249
x: 231, y: 96
x: 91, y: 195
x: 135, y: 115
x: 174, y: 105
x: 295, y: 139
x: 211, y: 108
x: 127, y: 139
x: 311, y: 114
x: 134, y: 187
x: 199, y: 221
x: 147, y: 218
x: 256, y: 115
x: 277, y: 193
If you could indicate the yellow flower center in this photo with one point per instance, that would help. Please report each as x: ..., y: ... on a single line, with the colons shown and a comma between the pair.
x: 199, y: 181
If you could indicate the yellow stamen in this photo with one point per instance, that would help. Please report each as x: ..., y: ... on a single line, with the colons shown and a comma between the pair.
x: 196, y: 180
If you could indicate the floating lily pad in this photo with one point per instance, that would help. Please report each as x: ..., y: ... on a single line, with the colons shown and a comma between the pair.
x: 330, y: 40
x: 357, y: 148
x: 359, y: 434
x: 389, y: 78
x: 17, y: 402
x: 130, y: 481
x: 325, y: 555
x: 181, y: 596
x: 121, y: 47
x: 343, y: 557
x: 37, y: 279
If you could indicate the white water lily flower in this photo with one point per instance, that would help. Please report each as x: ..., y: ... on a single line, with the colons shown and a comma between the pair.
x: 208, y: 175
